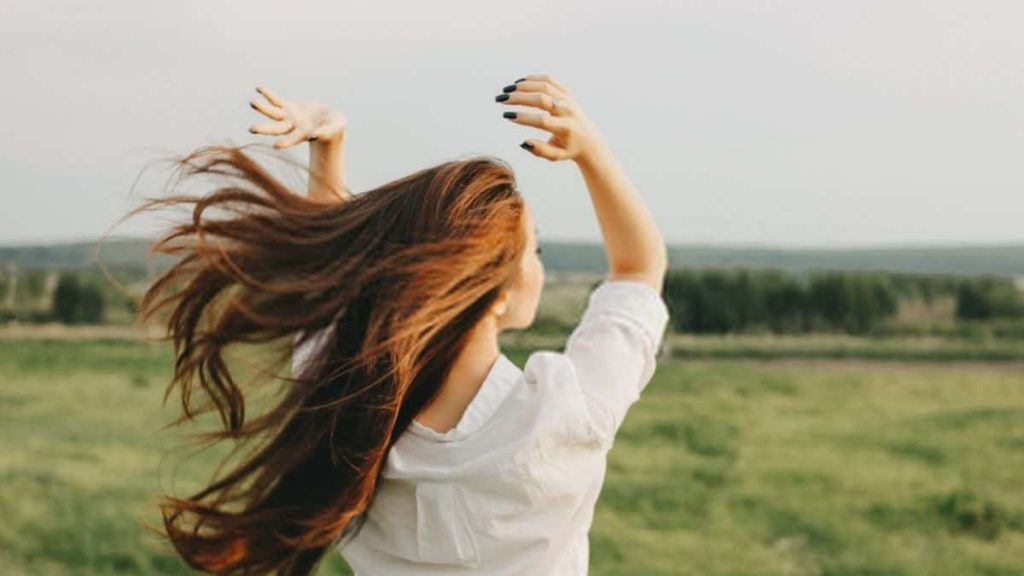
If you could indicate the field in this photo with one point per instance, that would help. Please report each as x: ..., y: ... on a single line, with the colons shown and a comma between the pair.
x: 725, y: 466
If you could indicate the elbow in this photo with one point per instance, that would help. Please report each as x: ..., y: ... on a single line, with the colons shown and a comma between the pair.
x: 662, y: 251
x: 651, y: 268
x: 661, y: 258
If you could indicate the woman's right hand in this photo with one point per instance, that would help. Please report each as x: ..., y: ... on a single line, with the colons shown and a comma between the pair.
x: 574, y: 136
x: 298, y: 120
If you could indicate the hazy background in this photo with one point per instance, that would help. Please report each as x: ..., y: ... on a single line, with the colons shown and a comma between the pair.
x: 839, y: 387
x: 793, y: 123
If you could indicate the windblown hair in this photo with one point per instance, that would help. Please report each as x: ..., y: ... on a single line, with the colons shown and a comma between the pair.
x: 392, y: 279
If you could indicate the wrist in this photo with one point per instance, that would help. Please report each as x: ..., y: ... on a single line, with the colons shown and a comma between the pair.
x: 329, y: 141
x: 594, y: 156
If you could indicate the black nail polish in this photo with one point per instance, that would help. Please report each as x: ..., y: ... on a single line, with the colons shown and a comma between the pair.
x: 509, y: 115
x: 253, y: 106
x: 251, y: 131
x: 509, y: 88
x: 527, y: 145
x: 501, y: 97
x: 520, y: 80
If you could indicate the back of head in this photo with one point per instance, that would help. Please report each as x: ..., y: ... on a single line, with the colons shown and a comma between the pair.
x: 393, y: 278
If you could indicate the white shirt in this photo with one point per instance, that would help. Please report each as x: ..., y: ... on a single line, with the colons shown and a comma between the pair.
x: 511, y: 489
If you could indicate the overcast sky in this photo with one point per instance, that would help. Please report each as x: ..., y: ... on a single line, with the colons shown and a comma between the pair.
x: 791, y: 123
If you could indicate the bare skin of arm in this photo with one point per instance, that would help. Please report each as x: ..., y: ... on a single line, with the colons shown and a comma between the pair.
x: 327, y: 170
x: 324, y: 128
x: 633, y: 244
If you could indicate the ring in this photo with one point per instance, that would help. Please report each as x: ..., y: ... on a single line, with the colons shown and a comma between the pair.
x: 554, y: 105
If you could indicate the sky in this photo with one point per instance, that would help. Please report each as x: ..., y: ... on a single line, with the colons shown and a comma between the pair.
x: 786, y: 124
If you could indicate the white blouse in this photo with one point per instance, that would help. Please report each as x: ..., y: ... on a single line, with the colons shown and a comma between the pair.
x: 511, y: 489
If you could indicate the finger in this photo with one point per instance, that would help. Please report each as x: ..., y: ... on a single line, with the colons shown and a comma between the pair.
x: 269, y: 95
x: 539, y: 87
x: 566, y: 105
x: 267, y: 110
x: 553, y: 124
x: 290, y: 140
x: 546, y: 78
x: 544, y: 150
x: 537, y: 100
x: 273, y: 129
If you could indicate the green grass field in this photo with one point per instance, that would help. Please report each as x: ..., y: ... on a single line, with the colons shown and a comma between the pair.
x: 725, y: 466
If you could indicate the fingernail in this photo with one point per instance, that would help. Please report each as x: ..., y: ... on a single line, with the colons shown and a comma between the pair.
x: 253, y: 106
x: 520, y: 80
x: 509, y: 115
x: 509, y: 88
x: 527, y: 145
x: 501, y: 97
x: 252, y: 131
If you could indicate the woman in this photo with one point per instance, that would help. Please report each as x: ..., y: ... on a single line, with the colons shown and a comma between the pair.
x: 399, y: 395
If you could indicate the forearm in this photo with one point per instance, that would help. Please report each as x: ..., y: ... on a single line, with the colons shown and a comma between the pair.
x: 633, y: 244
x: 327, y: 171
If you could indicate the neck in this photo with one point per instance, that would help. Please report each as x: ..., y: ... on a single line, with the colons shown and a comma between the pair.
x: 464, y: 380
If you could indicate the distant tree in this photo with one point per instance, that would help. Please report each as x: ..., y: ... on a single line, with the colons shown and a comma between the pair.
x: 31, y: 288
x: 829, y: 296
x: 75, y: 302
x: 988, y: 297
x: 90, y: 304
x: 66, y: 297
x: 853, y: 301
x: 786, y: 304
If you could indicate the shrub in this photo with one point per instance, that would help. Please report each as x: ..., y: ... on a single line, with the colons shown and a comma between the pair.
x: 76, y: 302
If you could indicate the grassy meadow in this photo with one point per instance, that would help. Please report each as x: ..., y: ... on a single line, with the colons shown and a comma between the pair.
x: 726, y: 466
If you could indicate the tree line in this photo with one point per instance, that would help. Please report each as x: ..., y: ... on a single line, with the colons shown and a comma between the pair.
x: 736, y: 300
x: 710, y: 300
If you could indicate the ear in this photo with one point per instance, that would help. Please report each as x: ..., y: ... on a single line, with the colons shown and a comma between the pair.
x: 500, y: 307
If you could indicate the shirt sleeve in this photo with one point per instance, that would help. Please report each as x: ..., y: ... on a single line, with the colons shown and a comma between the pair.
x: 613, y: 348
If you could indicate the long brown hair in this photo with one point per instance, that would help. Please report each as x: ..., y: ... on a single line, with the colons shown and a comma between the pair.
x: 392, y: 279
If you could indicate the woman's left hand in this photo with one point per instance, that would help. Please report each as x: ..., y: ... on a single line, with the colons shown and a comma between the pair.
x: 298, y: 120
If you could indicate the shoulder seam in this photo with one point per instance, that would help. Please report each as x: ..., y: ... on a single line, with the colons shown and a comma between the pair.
x: 587, y: 429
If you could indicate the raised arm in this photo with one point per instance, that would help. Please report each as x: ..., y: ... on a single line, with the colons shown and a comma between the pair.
x: 611, y: 355
x: 320, y: 125
x: 633, y: 245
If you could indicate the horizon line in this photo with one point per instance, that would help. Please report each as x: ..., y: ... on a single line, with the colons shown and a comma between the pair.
x: 916, y: 244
